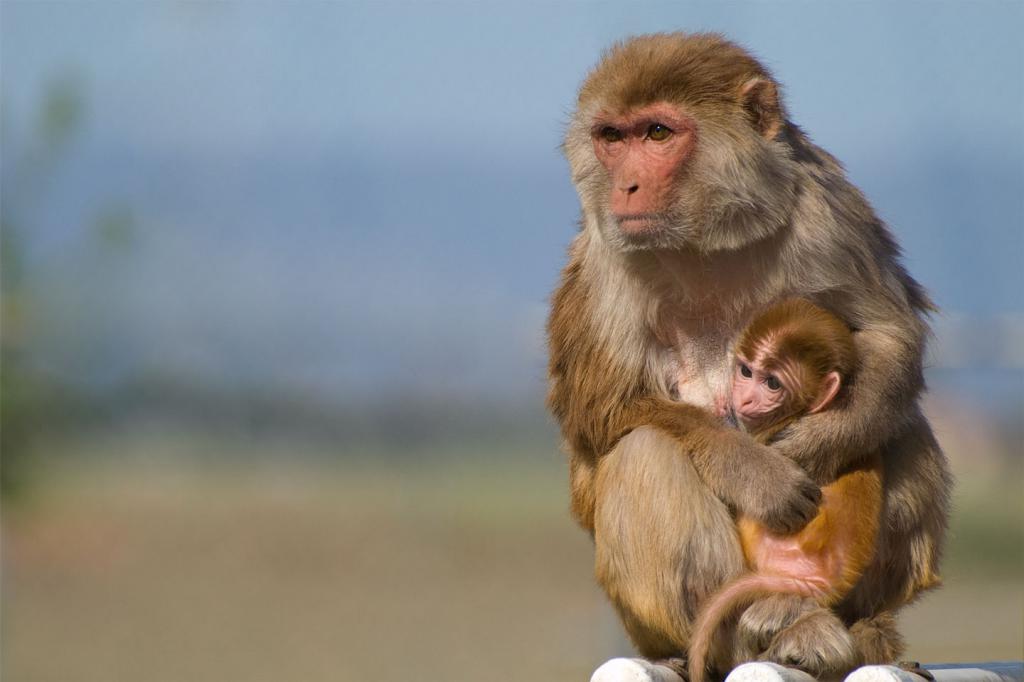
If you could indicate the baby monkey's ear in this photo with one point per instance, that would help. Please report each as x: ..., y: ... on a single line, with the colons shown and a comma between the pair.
x: 828, y: 390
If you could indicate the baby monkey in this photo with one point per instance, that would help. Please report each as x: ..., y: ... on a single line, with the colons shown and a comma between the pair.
x: 791, y: 361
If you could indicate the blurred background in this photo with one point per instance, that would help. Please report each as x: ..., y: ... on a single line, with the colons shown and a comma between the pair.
x: 274, y: 280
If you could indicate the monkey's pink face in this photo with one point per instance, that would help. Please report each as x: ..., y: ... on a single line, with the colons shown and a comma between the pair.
x: 756, y: 394
x: 644, y: 152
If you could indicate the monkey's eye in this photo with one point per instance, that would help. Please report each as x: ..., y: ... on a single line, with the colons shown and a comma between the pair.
x: 658, y: 132
x: 745, y: 371
x: 772, y: 383
x: 609, y: 134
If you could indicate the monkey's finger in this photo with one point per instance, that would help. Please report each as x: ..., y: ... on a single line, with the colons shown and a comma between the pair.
x: 801, y: 508
x: 802, y: 515
x: 812, y: 492
x: 812, y: 498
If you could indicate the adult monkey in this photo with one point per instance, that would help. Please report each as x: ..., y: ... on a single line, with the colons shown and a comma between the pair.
x: 702, y: 204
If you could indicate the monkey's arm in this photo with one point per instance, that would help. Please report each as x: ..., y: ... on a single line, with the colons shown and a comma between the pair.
x: 743, y: 473
x: 880, y: 397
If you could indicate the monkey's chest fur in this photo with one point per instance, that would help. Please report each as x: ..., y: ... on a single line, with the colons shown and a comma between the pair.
x: 695, y: 351
x: 703, y: 304
x: 697, y: 367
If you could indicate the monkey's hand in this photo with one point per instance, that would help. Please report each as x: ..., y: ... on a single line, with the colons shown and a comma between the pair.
x: 776, y: 491
x: 759, y: 481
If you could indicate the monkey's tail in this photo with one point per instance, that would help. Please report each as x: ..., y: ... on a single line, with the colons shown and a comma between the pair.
x: 742, y: 591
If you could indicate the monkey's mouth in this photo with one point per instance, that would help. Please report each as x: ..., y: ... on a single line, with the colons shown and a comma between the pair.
x: 747, y: 421
x: 638, y: 222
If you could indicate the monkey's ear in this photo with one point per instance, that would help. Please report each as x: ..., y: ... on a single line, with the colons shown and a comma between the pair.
x: 760, y: 99
x: 829, y: 388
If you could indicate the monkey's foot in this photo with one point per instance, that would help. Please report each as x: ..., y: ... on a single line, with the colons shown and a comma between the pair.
x: 767, y: 672
x: 915, y: 667
x: 634, y: 670
x: 817, y: 643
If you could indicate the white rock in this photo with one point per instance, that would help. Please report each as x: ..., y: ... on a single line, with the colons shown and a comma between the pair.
x: 882, y: 673
x: 767, y: 672
x: 890, y: 673
x: 633, y: 670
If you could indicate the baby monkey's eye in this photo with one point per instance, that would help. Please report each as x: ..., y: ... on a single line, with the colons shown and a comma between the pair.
x: 772, y: 383
x: 658, y: 132
x: 610, y: 134
x: 745, y: 371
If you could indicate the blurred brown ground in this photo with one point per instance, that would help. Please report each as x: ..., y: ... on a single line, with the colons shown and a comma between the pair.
x: 357, y: 572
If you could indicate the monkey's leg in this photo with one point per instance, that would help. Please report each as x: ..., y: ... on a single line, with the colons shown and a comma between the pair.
x: 663, y: 541
x: 885, y: 586
x: 877, y: 640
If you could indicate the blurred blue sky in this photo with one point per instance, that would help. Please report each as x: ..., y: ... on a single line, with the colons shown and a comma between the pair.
x: 340, y: 196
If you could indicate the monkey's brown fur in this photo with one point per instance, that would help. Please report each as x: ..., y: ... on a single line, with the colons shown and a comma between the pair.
x: 760, y: 214
x: 826, y: 558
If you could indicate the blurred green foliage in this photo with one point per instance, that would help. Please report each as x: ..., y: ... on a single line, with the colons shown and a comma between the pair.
x: 16, y: 386
x: 61, y: 113
x: 21, y: 386
x: 115, y: 227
